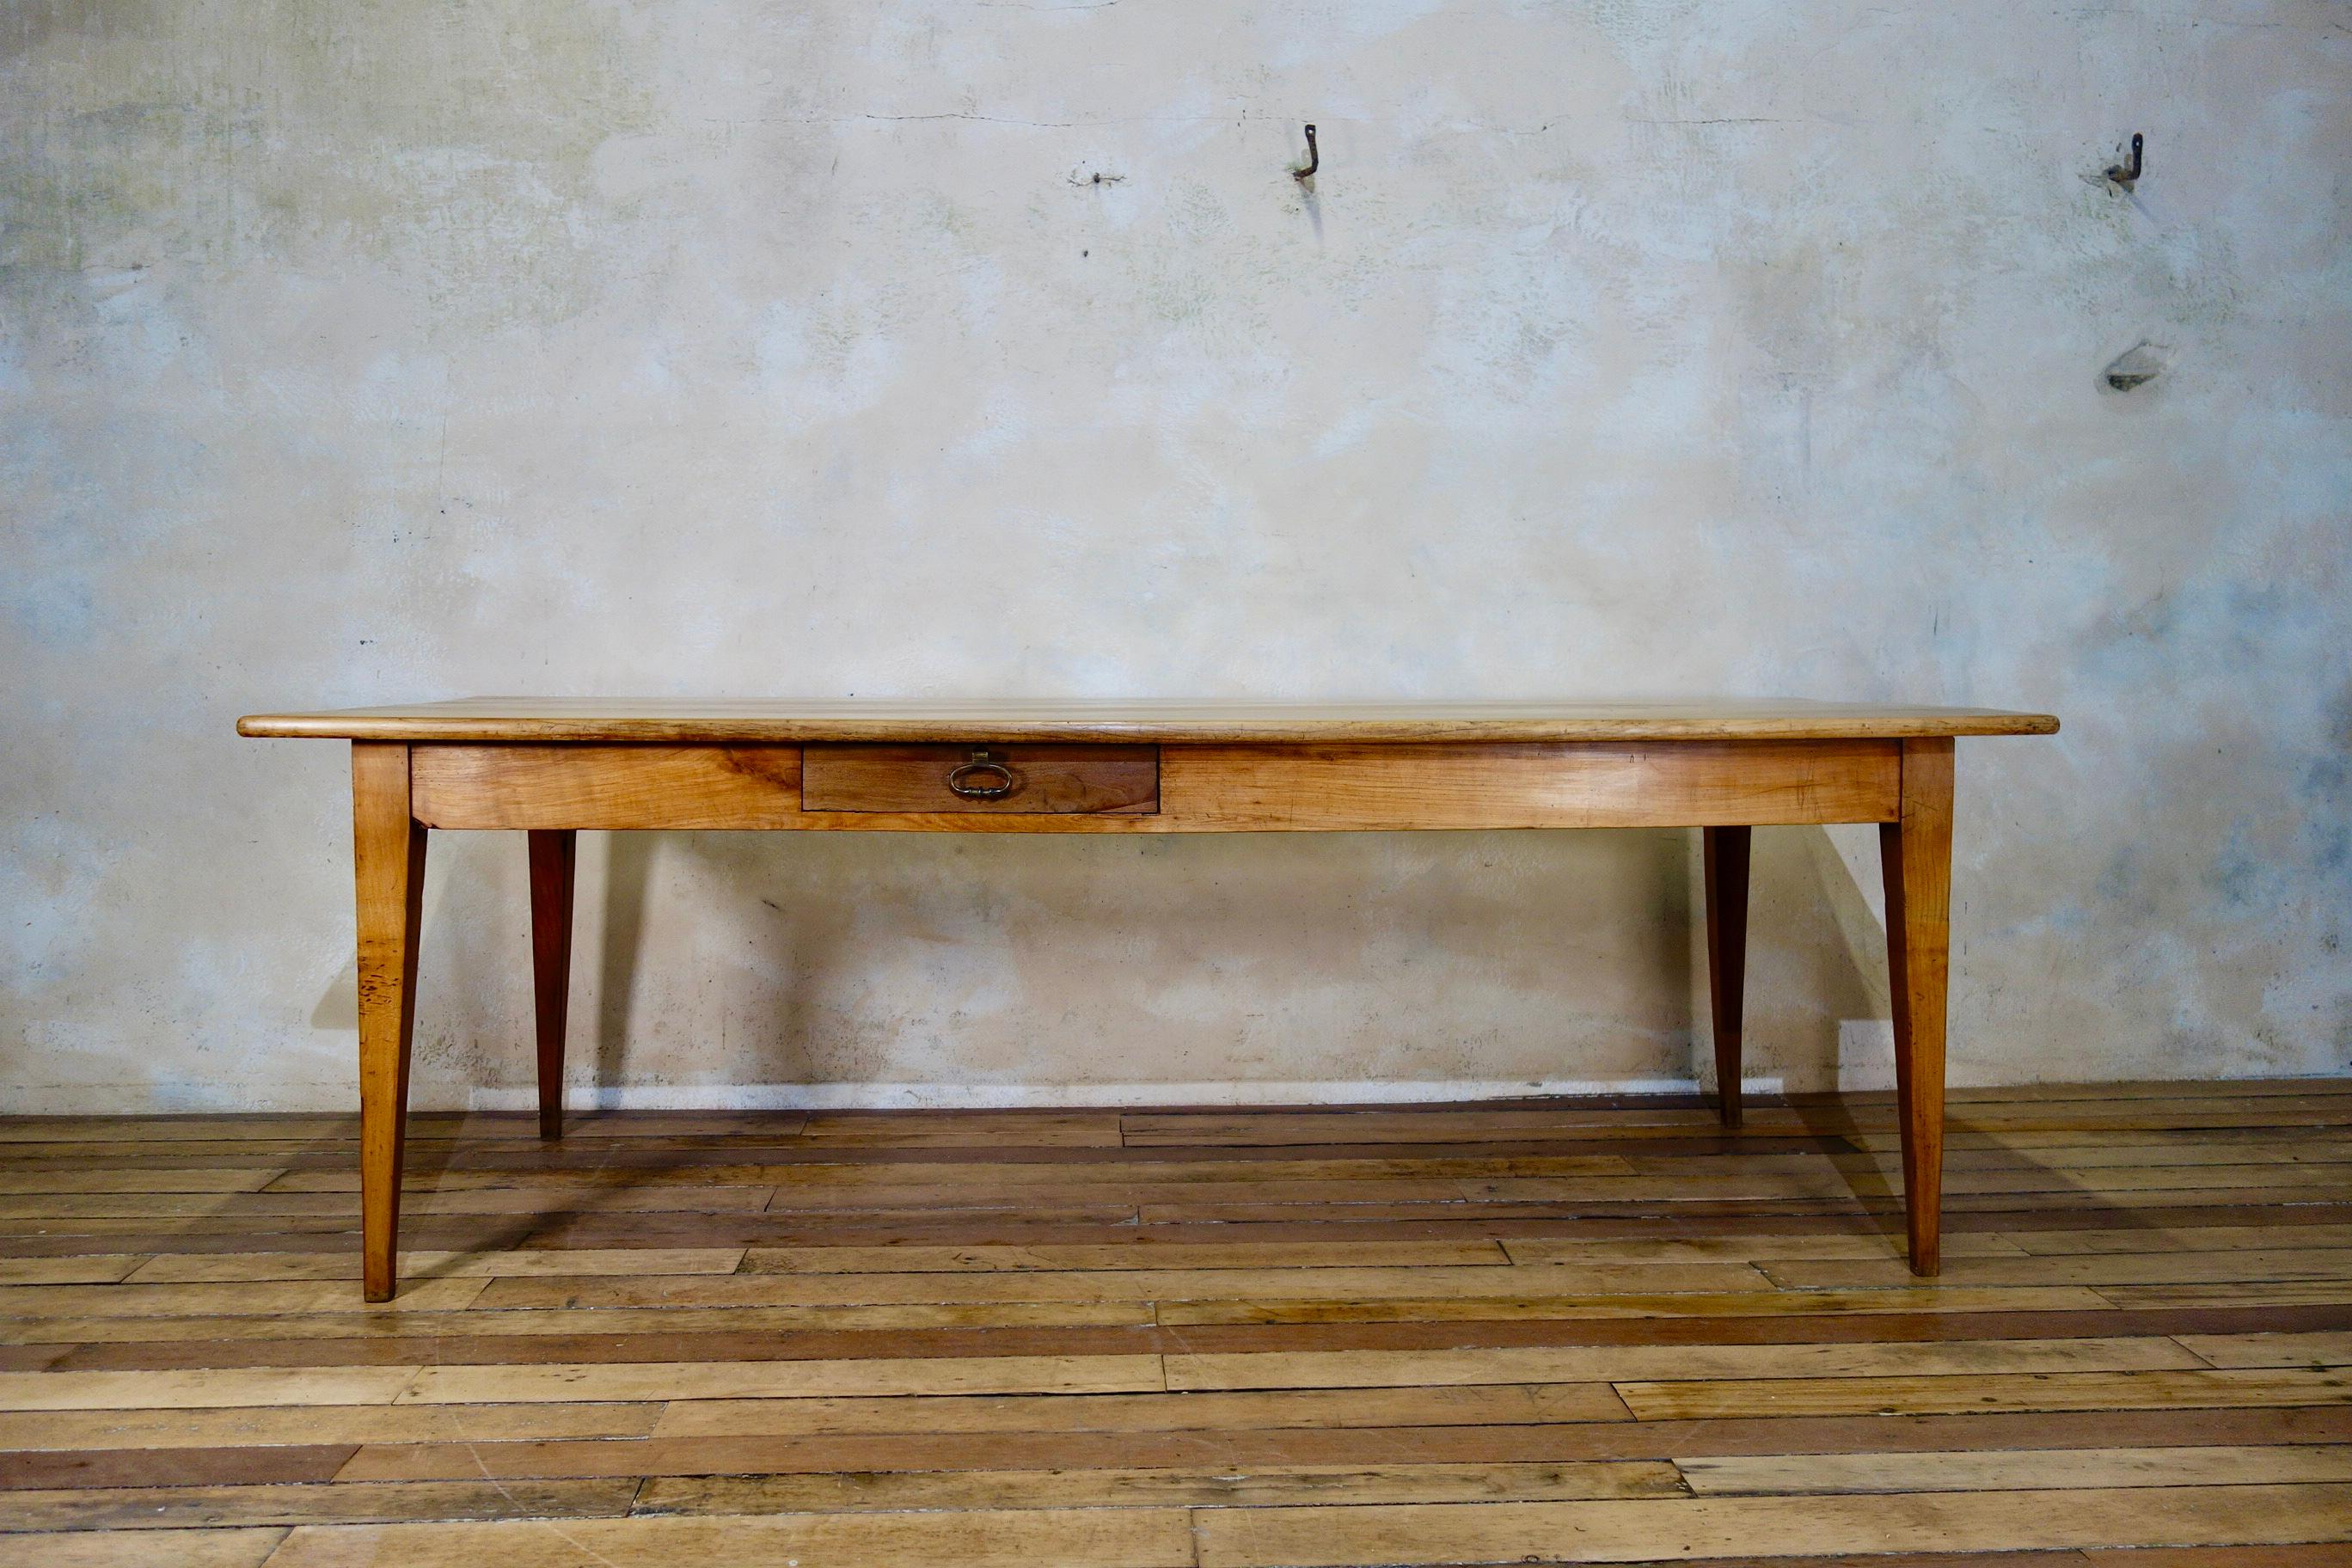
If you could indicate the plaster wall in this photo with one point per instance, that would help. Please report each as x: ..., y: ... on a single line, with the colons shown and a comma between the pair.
x: 393, y: 348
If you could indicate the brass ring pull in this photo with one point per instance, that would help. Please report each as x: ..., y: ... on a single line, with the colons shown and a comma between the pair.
x: 982, y: 778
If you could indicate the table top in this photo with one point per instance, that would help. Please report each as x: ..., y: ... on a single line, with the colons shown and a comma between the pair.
x: 588, y: 718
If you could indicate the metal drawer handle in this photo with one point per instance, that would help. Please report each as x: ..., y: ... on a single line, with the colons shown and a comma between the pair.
x: 973, y: 780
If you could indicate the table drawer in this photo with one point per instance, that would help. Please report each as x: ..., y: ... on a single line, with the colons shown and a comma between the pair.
x: 1035, y: 780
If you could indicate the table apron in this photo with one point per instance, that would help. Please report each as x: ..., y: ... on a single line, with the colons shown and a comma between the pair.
x: 1223, y: 788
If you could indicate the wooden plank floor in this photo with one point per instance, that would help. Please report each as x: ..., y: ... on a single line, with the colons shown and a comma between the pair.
x: 1537, y: 1331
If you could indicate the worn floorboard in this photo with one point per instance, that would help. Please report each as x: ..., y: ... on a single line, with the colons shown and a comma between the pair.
x: 1598, y: 1331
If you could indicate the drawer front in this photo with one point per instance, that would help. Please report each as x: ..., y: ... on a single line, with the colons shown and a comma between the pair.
x: 1019, y: 779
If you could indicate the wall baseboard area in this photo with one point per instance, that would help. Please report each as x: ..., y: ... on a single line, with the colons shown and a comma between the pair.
x: 1008, y: 1096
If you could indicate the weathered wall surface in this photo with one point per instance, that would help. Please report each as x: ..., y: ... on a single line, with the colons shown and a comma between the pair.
x: 408, y: 348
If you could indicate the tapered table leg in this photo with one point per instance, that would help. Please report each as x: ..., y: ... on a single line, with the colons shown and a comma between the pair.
x: 388, y: 866
x: 1918, y: 854
x: 551, y: 853
x: 1727, y: 958
x: 1725, y: 860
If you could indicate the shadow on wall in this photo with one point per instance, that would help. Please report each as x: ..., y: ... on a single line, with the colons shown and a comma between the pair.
x: 628, y: 866
x: 1817, y: 998
x: 339, y: 1004
x: 1820, y: 1011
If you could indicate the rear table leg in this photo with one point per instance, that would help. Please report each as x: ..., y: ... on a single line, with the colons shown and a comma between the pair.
x: 551, y: 853
x: 1726, y: 857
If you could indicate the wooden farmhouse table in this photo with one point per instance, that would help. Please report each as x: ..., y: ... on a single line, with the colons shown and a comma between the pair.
x: 550, y: 768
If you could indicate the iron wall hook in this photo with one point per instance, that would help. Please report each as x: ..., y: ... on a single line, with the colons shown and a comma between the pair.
x: 1314, y: 159
x: 2127, y: 175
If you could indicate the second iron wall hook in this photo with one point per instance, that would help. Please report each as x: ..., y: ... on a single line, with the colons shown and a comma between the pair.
x: 1314, y: 159
x: 2127, y: 175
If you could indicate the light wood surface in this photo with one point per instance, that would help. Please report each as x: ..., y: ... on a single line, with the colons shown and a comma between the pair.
x: 388, y: 860
x: 1916, y: 852
x: 606, y: 787
x: 1403, y: 1346
x: 554, y: 768
x: 1683, y: 783
x: 1199, y: 788
x: 723, y: 723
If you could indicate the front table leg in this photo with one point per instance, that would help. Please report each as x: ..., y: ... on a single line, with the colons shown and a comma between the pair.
x: 388, y: 865
x: 1916, y: 851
